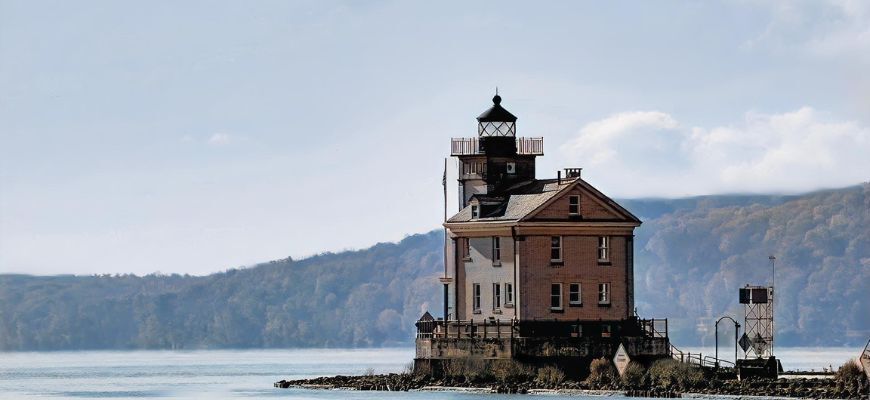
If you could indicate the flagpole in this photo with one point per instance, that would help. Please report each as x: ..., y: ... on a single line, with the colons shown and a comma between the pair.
x: 446, y: 285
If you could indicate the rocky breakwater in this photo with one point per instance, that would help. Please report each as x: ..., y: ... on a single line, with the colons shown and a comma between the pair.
x: 387, y: 382
x: 664, y: 378
x: 802, y: 388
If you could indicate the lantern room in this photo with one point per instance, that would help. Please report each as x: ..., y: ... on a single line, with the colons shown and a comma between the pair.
x: 496, y: 121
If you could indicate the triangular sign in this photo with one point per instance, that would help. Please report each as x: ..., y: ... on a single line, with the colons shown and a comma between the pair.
x: 621, y: 359
x: 744, y: 342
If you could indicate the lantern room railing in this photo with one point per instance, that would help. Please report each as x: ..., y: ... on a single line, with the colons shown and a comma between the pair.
x: 471, y: 146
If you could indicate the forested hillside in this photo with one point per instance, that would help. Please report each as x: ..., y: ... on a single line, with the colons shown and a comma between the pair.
x: 692, y: 255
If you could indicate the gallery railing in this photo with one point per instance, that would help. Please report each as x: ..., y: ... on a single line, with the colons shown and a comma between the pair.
x: 471, y: 146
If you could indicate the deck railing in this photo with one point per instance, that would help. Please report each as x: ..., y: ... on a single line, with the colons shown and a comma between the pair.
x: 699, y: 359
x: 495, y: 328
x: 480, y: 329
x: 471, y: 146
x: 654, y: 327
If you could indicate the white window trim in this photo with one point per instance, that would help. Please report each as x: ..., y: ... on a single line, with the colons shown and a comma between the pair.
x: 606, y: 290
x: 475, y: 298
x: 579, y: 294
x: 561, y: 249
x: 561, y: 303
x: 466, y: 249
x: 604, y: 245
x: 496, y: 251
x: 475, y: 211
x: 496, y: 296
x: 508, y: 294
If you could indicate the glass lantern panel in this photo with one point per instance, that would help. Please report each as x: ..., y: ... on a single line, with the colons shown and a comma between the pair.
x: 497, y: 128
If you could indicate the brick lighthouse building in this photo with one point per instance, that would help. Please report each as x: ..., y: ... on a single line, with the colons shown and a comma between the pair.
x: 538, y: 270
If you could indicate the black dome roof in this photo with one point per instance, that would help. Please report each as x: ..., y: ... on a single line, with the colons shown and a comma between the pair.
x: 497, y: 113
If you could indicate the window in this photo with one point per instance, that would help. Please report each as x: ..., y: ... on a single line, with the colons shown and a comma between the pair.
x: 496, y: 250
x: 556, y: 296
x: 574, y: 297
x: 475, y: 212
x: 556, y: 248
x: 603, y: 293
x: 574, y: 205
x: 603, y: 248
x: 605, y: 330
x: 509, y: 293
x: 466, y: 248
x: 475, y: 301
x: 511, y: 168
x: 496, y: 296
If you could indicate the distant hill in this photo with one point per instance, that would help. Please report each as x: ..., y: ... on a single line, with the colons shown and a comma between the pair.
x: 692, y: 255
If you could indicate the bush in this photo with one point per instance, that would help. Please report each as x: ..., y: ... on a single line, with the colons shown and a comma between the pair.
x: 511, y: 371
x: 550, y: 376
x: 634, y: 376
x: 468, y: 369
x: 672, y: 374
x: 849, y: 371
x: 424, y: 369
x: 601, y: 373
x: 850, y: 377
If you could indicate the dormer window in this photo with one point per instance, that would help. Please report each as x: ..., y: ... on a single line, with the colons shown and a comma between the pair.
x: 475, y: 212
x: 574, y: 205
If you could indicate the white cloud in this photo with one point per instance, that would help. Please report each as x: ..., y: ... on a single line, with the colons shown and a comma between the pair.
x: 832, y: 29
x: 219, y: 139
x: 649, y: 153
x: 850, y: 34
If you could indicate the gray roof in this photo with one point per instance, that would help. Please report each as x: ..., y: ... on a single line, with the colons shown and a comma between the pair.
x: 519, y: 200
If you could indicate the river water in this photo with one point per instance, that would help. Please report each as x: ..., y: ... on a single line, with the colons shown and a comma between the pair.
x: 214, y: 374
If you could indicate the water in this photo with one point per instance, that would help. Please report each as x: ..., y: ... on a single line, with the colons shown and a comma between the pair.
x: 215, y: 374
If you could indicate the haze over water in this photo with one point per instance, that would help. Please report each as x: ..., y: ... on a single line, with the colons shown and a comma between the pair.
x: 245, y: 373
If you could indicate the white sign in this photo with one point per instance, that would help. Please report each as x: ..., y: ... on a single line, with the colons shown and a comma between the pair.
x: 621, y: 359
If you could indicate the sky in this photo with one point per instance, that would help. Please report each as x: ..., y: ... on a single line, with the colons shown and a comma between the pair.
x: 197, y: 136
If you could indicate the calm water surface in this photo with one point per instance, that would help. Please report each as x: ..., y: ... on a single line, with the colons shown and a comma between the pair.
x: 244, y: 373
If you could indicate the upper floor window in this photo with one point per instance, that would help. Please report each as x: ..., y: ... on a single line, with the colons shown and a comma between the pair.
x: 574, y: 297
x: 496, y: 296
x: 556, y: 248
x: 475, y: 300
x: 574, y: 205
x: 604, y: 248
x: 466, y: 248
x: 496, y: 250
x: 475, y: 212
x: 603, y: 293
x: 556, y: 296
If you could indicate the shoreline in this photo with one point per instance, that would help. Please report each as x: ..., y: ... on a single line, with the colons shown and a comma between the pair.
x: 780, y: 389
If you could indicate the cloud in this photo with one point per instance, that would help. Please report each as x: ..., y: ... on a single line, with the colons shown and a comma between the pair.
x: 837, y: 29
x: 636, y: 131
x: 850, y: 32
x: 219, y: 139
x: 649, y: 153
